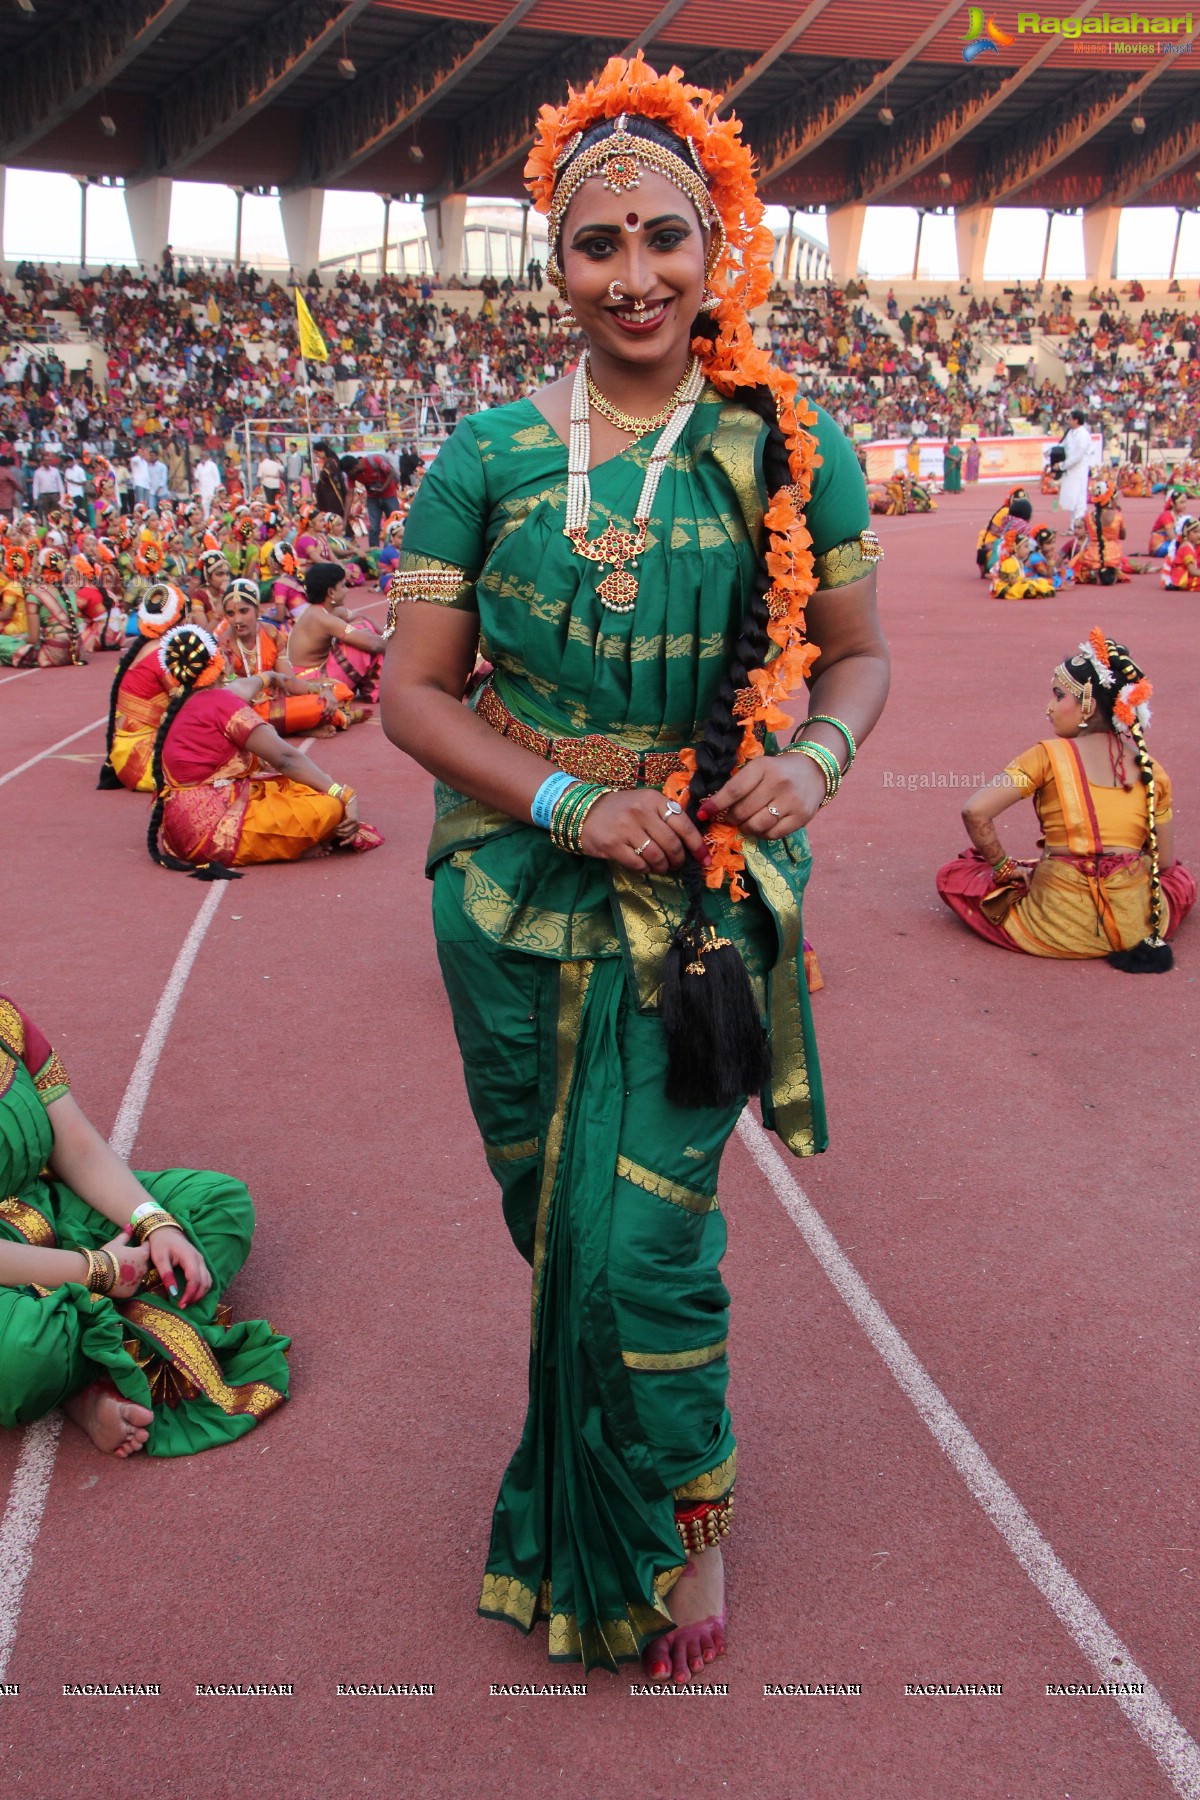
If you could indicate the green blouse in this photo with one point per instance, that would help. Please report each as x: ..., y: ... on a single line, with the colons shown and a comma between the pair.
x: 485, y: 534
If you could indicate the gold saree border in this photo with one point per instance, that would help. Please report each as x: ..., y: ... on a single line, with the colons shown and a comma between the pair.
x: 791, y: 1090
x: 712, y: 1486
x: 651, y: 1183
x: 53, y: 1081
x: 664, y: 1360
x: 573, y: 980
x: 33, y: 1225
x: 509, y: 1153
x: 182, y: 1344
x: 604, y: 1641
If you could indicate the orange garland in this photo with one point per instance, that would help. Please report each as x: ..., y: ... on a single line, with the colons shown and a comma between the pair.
x: 742, y: 280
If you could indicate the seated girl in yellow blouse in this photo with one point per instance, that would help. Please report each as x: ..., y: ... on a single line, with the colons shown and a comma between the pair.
x: 1107, y: 883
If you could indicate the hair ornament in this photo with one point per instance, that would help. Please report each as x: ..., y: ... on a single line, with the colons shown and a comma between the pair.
x: 1131, y: 704
x: 191, y: 657
x: 163, y: 606
x: 1095, y: 650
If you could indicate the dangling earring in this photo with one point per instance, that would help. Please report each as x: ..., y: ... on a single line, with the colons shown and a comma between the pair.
x: 567, y: 320
x: 1083, y: 720
x: 709, y: 301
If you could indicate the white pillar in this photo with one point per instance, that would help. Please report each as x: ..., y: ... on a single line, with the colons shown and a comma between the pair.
x: 972, y: 228
x: 301, y: 212
x: 445, y: 228
x: 845, y: 236
x: 148, y: 205
x: 1100, y: 227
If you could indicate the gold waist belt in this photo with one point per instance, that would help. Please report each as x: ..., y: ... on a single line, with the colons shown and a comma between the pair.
x: 592, y: 758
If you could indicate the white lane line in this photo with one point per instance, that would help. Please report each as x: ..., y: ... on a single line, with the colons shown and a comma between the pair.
x: 31, y: 1482
x: 129, y: 1116
x: 19, y: 676
x: 19, y: 1526
x: 61, y: 745
x: 1178, y: 1755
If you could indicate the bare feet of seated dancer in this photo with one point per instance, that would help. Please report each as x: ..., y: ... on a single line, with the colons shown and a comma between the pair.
x: 697, y: 1603
x: 115, y: 1425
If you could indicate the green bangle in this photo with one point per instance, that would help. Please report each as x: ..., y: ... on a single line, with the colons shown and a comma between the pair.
x: 838, y: 725
x: 827, y: 762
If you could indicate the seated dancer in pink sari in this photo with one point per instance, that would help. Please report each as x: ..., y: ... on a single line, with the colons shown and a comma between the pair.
x: 55, y: 627
x: 230, y: 790
x: 326, y: 641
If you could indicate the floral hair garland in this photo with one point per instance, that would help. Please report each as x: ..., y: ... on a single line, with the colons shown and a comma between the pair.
x: 191, y: 656
x: 741, y: 280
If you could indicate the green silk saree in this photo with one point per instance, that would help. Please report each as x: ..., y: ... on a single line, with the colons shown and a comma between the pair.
x: 551, y: 963
x: 206, y: 1381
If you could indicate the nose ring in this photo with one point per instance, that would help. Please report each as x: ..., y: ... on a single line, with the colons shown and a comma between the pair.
x: 613, y: 294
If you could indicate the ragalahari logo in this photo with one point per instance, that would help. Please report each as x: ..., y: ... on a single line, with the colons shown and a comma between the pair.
x: 984, y: 34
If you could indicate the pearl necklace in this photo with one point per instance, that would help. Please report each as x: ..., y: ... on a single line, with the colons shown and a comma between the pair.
x: 618, y: 591
x: 245, y: 660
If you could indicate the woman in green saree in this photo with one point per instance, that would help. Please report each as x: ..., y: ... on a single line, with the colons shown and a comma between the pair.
x: 617, y: 866
x: 111, y: 1282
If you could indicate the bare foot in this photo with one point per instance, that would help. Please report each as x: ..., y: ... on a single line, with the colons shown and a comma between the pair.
x: 115, y: 1425
x: 697, y: 1605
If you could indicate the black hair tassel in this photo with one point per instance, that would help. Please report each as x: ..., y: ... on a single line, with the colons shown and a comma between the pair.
x: 717, y: 1050
x: 108, y: 776
x: 1150, y: 957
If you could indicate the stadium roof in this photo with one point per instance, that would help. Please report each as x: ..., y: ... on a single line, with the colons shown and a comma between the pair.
x: 439, y: 96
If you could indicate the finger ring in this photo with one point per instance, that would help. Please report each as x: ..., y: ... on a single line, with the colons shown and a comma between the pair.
x: 673, y: 807
x: 774, y: 812
x: 644, y: 846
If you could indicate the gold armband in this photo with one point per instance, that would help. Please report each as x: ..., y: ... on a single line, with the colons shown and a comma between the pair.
x: 420, y: 578
x: 849, y: 561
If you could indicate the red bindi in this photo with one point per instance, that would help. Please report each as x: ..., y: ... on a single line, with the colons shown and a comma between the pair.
x: 631, y: 221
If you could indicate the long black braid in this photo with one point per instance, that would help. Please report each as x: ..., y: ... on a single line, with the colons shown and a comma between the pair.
x: 717, y: 1047
x: 108, y: 775
x: 1152, y: 956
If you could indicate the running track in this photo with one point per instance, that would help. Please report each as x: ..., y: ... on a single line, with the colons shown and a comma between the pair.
x: 979, y: 1496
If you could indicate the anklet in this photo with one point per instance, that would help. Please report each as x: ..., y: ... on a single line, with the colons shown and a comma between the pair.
x: 700, y: 1527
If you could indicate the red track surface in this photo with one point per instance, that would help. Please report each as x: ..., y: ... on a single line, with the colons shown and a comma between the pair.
x: 1012, y: 1172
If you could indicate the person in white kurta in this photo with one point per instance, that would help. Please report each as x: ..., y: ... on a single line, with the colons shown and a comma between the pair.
x: 1073, y: 489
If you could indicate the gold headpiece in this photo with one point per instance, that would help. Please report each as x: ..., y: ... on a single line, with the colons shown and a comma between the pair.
x: 620, y: 159
x: 1079, y: 690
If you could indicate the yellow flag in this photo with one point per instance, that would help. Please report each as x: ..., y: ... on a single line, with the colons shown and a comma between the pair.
x: 214, y: 314
x: 312, y: 344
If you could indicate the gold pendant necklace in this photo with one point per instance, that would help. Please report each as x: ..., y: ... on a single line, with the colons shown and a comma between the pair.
x: 619, y: 588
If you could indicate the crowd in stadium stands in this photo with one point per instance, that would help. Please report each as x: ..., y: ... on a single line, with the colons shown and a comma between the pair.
x: 192, y: 353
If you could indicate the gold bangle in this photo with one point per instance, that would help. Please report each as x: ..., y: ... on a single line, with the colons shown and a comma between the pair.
x: 152, y: 1222
x: 336, y: 790
x: 89, y: 1270
x: 161, y: 1222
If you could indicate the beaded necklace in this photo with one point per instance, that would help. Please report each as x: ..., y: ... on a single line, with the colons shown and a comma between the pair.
x: 618, y: 591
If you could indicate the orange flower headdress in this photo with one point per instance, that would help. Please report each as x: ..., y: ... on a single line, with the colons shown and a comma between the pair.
x: 18, y: 561
x: 721, y: 186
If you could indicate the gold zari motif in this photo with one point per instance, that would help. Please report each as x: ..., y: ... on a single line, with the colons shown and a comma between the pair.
x: 197, y: 1370
x: 53, y: 1082
x: 665, y: 1360
x: 712, y: 1486
x: 689, y: 1198
x: 847, y: 562
x: 33, y: 1226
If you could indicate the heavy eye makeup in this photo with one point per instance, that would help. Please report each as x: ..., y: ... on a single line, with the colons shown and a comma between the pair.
x: 598, y: 241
